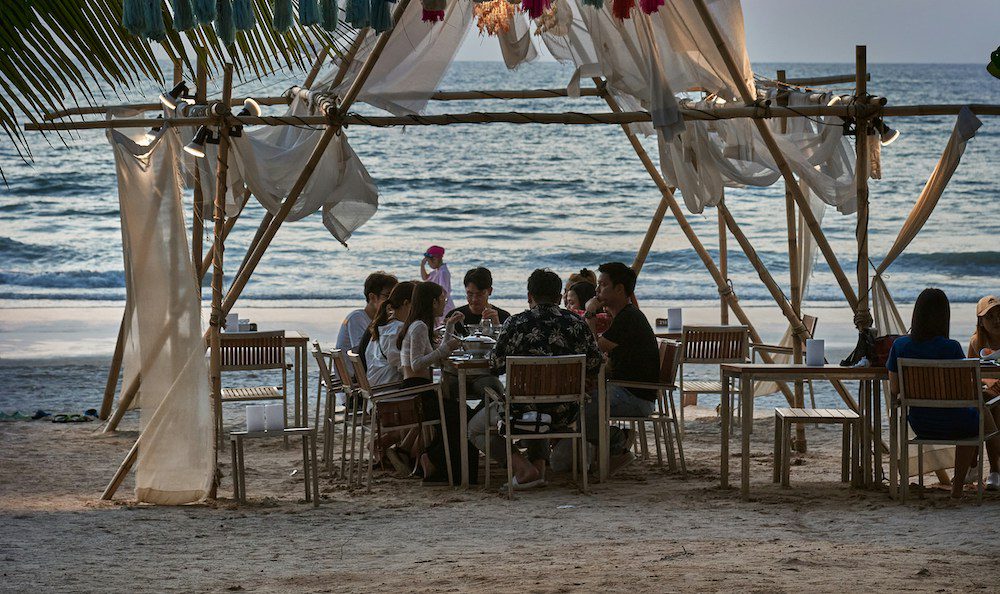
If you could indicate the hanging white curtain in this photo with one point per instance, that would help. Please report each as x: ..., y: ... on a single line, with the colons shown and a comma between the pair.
x: 414, y: 61
x: 176, y: 460
x: 270, y: 159
x: 516, y: 45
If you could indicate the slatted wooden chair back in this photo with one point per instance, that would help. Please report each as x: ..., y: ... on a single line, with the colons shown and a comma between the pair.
x: 715, y: 344
x: 340, y: 368
x: 246, y: 351
x: 669, y: 361
x: 360, y: 375
x: 325, y: 373
x: 946, y: 384
x: 546, y: 379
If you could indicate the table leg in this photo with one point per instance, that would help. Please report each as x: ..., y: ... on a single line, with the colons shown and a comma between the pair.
x: 305, y: 466
x: 746, y: 405
x: 235, y: 474
x: 603, y: 432
x: 304, y: 355
x: 726, y: 417
x: 463, y: 426
x: 866, y: 433
x: 240, y: 462
x: 876, y: 387
x: 298, y: 387
x: 315, y: 471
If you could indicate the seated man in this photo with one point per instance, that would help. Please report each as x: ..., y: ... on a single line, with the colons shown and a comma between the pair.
x: 352, y: 336
x: 633, y: 355
x: 478, y: 288
x: 544, y: 330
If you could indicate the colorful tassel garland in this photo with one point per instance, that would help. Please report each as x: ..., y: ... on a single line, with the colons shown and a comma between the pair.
x: 204, y: 11
x: 156, y: 29
x: 134, y: 16
x: 650, y: 6
x: 381, y: 16
x: 183, y: 15
x: 308, y: 12
x: 329, y: 14
x: 535, y: 8
x: 620, y: 9
x: 598, y: 4
x: 243, y: 15
x: 225, y: 27
x: 358, y: 13
x: 433, y: 10
x: 282, y: 15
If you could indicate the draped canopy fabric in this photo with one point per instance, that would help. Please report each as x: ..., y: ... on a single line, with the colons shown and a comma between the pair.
x: 176, y: 461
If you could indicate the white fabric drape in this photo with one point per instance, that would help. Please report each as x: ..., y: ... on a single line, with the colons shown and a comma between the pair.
x: 271, y: 158
x: 413, y: 62
x: 175, y: 463
x: 516, y: 45
x: 965, y: 129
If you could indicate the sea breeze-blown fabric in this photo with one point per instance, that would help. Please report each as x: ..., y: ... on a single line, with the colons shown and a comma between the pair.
x: 176, y: 459
x: 542, y: 331
x: 270, y: 159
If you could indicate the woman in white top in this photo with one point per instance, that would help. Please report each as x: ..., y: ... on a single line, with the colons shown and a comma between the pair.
x: 416, y: 342
x: 382, y: 354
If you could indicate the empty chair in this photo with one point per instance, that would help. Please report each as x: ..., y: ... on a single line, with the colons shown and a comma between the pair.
x: 954, y: 383
x: 329, y: 384
x: 254, y: 351
x: 666, y: 430
x: 710, y: 345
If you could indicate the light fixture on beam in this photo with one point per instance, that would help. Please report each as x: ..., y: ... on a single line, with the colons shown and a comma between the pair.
x: 172, y: 98
x: 197, y: 145
x: 886, y: 134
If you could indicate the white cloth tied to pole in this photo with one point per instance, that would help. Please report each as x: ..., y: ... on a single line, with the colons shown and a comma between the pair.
x: 270, y: 159
x: 176, y: 459
x: 965, y: 129
x: 516, y: 45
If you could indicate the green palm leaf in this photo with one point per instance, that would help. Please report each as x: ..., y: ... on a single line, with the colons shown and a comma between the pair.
x: 60, y: 53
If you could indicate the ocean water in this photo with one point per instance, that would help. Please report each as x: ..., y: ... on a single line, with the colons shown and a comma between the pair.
x: 512, y: 198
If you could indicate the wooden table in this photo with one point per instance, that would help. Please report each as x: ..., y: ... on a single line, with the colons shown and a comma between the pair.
x: 299, y: 342
x: 463, y: 369
x: 668, y: 334
x: 309, y: 464
x: 748, y: 374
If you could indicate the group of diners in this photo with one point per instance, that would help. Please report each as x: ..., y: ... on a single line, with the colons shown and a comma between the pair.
x: 592, y: 315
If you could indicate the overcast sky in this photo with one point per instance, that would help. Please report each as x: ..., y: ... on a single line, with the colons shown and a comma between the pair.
x: 921, y: 31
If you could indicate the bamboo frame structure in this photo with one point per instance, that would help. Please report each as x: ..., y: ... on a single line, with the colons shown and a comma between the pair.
x: 335, y: 115
x: 863, y: 317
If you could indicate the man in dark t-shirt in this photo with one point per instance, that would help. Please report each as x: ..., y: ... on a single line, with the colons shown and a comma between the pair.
x: 478, y: 288
x: 632, y: 351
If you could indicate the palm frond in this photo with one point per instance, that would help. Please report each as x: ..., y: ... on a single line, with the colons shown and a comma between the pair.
x: 59, y: 53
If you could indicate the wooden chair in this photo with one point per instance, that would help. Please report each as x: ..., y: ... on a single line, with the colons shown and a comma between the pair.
x: 331, y: 385
x: 810, y: 322
x: 387, y: 394
x: 710, y: 345
x: 664, y: 418
x: 784, y: 418
x: 255, y: 351
x: 540, y: 381
x: 352, y: 419
x: 952, y: 383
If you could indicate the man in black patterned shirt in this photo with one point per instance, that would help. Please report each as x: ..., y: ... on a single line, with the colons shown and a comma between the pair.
x: 543, y: 330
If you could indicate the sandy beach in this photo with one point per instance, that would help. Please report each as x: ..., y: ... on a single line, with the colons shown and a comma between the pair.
x: 647, y: 530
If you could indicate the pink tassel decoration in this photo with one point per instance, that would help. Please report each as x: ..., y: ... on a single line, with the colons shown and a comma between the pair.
x: 620, y: 9
x: 650, y: 6
x: 535, y: 8
x: 432, y: 16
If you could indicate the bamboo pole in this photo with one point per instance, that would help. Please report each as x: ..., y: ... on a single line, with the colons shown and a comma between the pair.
x: 779, y: 158
x: 239, y: 283
x: 352, y: 53
x: 668, y: 200
x: 862, y: 313
x: 794, y: 279
x: 316, y: 67
x: 198, y: 217
x: 723, y: 264
x: 808, y: 81
x: 230, y: 223
x: 121, y: 473
x: 219, y: 216
x: 574, y: 118
x: 116, y: 367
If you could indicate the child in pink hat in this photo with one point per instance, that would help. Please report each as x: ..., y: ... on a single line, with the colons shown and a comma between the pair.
x: 434, y: 257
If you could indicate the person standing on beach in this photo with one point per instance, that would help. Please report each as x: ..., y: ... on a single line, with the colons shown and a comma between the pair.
x: 378, y: 286
x: 434, y: 257
x: 478, y: 288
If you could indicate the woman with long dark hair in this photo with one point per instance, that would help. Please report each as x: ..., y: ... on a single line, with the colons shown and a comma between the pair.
x: 929, y: 339
x: 382, y: 353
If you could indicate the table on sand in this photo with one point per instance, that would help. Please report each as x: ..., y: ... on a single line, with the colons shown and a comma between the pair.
x: 463, y: 369
x: 299, y: 343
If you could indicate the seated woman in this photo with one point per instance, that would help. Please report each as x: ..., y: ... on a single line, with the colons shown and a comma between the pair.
x: 382, y: 354
x: 928, y: 339
x: 578, y: 295
x: 419, y: 350
x: 987, y: 336
x: 584, y: 276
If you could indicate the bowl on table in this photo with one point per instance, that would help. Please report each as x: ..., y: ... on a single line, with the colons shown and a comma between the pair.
x: 478, y: 346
